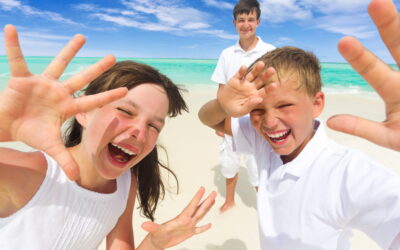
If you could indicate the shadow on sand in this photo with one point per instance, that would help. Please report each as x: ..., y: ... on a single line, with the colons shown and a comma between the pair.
x: 244, y: 189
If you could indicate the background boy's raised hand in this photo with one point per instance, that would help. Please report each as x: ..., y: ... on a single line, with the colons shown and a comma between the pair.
x: 34, y: 107
x: 384, y: 79
x: 244, y: 91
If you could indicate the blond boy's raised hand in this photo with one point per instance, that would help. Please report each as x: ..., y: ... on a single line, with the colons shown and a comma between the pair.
x: 244, y: 91
x: 33, y: 107
x: 384, y: 79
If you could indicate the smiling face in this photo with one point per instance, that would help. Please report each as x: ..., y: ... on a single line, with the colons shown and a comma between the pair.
x: 120, y: 134
x: 246, y: 24
x: 285, y: 117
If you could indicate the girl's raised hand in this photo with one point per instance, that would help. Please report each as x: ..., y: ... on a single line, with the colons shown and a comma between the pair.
x: 243, y: 91
x: 34, y: 107
x: 384, y: 79
x: 183, y: 226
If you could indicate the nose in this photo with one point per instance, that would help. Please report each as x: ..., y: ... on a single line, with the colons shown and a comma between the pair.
x: 270, y: 120
x: 138, y: 130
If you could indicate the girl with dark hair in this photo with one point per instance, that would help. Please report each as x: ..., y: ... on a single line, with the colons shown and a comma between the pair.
x: 109, y: 152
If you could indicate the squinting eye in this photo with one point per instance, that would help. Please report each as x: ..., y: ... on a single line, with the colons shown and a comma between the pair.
x: 155, y: 127
x: 125, y: 111
x: 285, y: 105
x: 256, y: 112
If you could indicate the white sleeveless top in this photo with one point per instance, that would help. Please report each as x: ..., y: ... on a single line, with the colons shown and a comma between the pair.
x: 63, y: 215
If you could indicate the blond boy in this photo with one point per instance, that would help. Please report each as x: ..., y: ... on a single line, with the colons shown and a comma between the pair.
x: 312, y: 191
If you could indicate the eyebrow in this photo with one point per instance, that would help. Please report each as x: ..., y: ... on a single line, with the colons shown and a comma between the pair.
x: 132, y: 103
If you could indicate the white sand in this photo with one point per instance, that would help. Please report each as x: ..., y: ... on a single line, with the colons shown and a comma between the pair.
x: 193, y: 156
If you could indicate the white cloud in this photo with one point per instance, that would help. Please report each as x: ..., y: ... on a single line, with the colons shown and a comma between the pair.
x: 158, y: 15
x: 219, y: 4
x: 346, y: 17
x: 27, y: 10
x: 276, y: 11
x: 283, y: 41
x: 336, y: 6
x: 9, y: 4
x: 358, y: 25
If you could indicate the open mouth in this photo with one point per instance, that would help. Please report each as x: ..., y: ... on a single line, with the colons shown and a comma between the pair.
x: 279, y: 137
x: 119, y: 154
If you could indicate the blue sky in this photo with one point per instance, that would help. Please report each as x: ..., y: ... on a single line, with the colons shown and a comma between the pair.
x: 185, y: 28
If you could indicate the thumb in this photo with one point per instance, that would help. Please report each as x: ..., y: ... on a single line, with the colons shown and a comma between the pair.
x: 64, y: 158
x: 357, y: 126
x: 150, y: 227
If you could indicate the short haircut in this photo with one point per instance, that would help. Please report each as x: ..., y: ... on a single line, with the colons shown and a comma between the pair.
x: 246, y: 7
x: 304, y: 65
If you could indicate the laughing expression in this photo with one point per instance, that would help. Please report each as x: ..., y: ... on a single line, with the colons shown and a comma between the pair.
x: 120, y: 134
x: 285, y: 118
x: 246, y: 24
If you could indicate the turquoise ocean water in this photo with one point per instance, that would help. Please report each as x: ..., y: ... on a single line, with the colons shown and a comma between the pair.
x: 337, y: 77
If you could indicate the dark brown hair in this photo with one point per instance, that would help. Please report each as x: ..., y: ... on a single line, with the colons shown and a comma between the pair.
x: 291, y: 60
x: 246, y: 7
x: 130, y: 74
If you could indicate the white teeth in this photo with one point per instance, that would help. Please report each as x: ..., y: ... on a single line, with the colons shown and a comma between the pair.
x: 125, y: 150
x: 277, y: 135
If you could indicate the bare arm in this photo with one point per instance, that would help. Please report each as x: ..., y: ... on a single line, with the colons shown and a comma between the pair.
x: 121, y: 237
x: 211, y: 114
x: 21, y: 174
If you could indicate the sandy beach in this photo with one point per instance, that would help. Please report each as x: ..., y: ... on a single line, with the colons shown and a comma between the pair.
x: 193, y: 156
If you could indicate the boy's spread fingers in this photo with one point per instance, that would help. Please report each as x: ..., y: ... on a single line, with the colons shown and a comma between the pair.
x: 87, y: 103
x: 61, y: 61
x: 264, y: 78
x: 241, y: 73
x: 387, y: 20
x: 255, y: 71
x: 84, y: 77
x: 353, y: 125
x: 15, y: 57
x: 373, y: 70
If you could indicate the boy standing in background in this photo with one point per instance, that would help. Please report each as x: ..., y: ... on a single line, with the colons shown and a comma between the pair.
x: 248, y: 48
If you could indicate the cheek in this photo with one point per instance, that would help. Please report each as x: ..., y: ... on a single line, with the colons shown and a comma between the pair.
x: 151, y: 141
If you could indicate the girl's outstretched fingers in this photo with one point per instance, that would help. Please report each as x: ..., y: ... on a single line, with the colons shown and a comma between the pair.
x: 184, y: 225
x: 80, y: 80
x: 64, y: 57
x: 15, y: 57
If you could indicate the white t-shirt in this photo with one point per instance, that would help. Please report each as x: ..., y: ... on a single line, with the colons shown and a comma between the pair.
x: 315, y: 200
x: 233, y: 57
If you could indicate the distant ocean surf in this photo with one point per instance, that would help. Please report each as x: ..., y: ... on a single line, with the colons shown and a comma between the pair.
x: 336, y: 77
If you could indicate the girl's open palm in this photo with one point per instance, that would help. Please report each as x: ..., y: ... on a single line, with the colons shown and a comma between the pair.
x: 34, y: 107
x: 184, y: 225
x: 379, y: 75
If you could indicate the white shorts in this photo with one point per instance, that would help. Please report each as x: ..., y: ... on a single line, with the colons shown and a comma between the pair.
x: 230, y: 162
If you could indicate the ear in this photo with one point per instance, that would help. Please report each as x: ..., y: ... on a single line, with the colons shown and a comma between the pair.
x: 234, y: 22
x: 318, y: 103
x: 258, y: 22
x: 82, y: 119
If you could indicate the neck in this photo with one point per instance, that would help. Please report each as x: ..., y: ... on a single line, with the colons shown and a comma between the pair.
x: 89, y: 177
x: 248, y: 43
